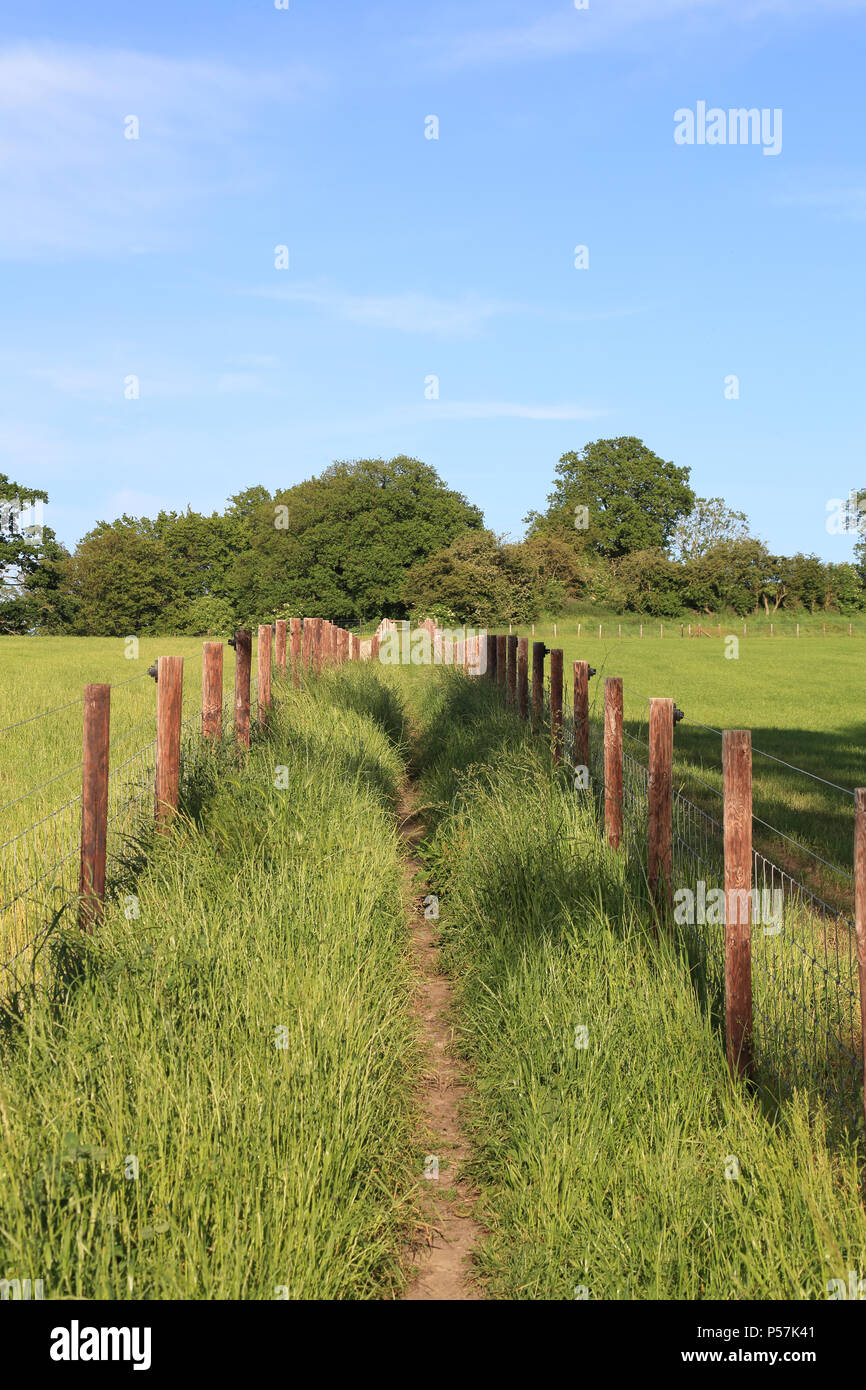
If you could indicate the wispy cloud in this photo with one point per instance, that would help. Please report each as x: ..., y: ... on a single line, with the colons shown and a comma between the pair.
x: 844, y: 203
x: 568, y: 30
x: 406, y: 312
x: 506, y: 410
x: 72, y: 182
x: 402, y: 417
x: 464, y: 316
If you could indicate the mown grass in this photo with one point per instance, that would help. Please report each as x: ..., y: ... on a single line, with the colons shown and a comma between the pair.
x: 214, y: 1101
x: 628, y: 1168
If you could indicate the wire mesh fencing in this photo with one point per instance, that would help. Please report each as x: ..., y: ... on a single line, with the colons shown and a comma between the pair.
x: 40, y: 862
x: 806, y: 1033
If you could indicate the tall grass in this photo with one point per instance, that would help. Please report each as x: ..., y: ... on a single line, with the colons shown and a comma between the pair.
x: 216, y: 1102
x: 628, y: 1167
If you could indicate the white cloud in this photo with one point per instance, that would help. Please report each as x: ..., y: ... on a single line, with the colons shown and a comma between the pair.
x: 567, y: 30
x: 846, y: 204
x: 406, y: 312
x: 505, y: 410
x: 410, y: 312
x: 73, y: 184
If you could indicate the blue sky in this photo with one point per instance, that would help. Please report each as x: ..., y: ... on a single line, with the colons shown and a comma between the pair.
x: 411, y: 257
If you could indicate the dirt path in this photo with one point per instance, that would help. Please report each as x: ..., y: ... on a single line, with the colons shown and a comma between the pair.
x: 440, y: 1267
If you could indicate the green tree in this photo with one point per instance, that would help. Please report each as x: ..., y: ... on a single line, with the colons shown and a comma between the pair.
x: 733, y: 574
x: 652, y: 583
x: 120, y: 580
x: 633, y: 498
x: 340, y: 544
x: 709, y: 523
x: 477, y: 579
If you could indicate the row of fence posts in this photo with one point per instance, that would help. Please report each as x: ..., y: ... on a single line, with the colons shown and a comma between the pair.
x: 292, y: 645
x: 507, y: 666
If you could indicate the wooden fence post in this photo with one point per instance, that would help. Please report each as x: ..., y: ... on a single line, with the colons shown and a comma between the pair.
x: 523, y: 677
x: 169, y: 703
x: 581, y: 714
x: 501, y: 660
x: 94, y: 805
x: 318, y: 646
x: 356, y: 647
x: 374, y: 647
x: 492, y: 650
x: 280, y: 645
x: 556, y: 705
x: 737, y: 779
x: 661, y: 759
x: 212, y: 690
x: 613, y: 760
x: 511, y: 671
x: 308, y: 645
x: 263, y: 684
x: 539, y: 652
x: 243, y: 662
x: 295, y: 649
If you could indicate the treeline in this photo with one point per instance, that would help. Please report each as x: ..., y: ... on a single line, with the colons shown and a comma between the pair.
x: 622, y: 529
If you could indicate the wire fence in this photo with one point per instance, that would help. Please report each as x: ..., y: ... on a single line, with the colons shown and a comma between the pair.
x: 39, y: 864
x: 805, y: 984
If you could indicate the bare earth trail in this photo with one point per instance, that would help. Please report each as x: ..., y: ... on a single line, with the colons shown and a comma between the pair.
x: 440, y: 1261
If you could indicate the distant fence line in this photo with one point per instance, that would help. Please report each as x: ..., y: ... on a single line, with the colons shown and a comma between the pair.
x: 782, y: 970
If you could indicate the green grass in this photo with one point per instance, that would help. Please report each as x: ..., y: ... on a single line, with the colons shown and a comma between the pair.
x: 274, y: 916
x: 799, y: 699
x: 603, y: 1168
x: 40, y: 761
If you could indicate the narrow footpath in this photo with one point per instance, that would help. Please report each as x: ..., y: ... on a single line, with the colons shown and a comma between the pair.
x: 440, y: 1259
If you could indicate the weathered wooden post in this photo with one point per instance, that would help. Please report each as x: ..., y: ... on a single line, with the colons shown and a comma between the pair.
x: 511, y: 671
x: 523, y: 677
x: 374, y: 647
x: 94, y: 805
x: 492, y: 649
x: 539, y: 652
x: 318, y: 646
x: 263, y: 684
x: 280, y: 645
x: 212, y: 690
x: 737, y: 782
x: 613, y: 760
x: 243, y: 662
x: 295, y: 649
x: 356, y: 647
x: 501, y: 660
x: 556, y: 705
x: 169, y: 703
x: 581, y: 714
x: 661, y: 758
x: 308, y: 645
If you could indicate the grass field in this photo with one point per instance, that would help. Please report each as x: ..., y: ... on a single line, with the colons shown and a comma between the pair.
x: 799, y: 698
